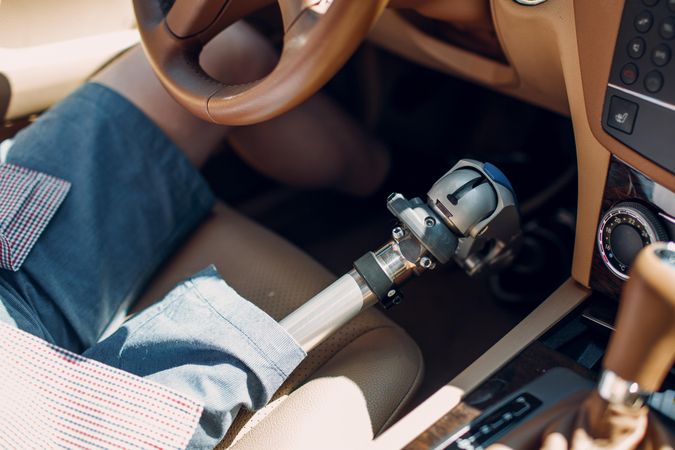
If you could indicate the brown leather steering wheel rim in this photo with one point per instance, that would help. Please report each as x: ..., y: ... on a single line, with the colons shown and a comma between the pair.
x: 315, y: 47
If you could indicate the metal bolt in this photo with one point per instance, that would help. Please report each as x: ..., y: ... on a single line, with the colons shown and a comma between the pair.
x: 391, y: 293
x: 398, y: 233
x: 430, y: 222
x: 426, y: 262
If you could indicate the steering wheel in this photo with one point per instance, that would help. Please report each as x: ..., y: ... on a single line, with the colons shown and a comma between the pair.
x: 319, y: 37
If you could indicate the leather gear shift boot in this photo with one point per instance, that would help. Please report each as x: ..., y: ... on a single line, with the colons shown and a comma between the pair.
x: 642, y: 350
x: 566, y: 427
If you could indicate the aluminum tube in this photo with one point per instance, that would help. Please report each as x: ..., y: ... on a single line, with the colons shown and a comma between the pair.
x: 327, y: 311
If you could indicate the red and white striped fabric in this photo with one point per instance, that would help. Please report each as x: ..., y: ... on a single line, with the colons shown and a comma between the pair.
x: 52, y: 398
x: 28, y: 201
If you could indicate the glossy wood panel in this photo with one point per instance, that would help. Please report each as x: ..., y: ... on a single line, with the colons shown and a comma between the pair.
x: 624, y: 183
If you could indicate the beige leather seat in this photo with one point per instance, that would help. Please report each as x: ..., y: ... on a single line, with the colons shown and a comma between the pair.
x: 349, y: 388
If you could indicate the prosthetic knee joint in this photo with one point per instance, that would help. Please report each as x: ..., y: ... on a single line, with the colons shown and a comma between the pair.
x: 470, y: 216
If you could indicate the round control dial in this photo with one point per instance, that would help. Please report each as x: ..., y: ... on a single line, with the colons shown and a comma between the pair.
x: 623, y: 231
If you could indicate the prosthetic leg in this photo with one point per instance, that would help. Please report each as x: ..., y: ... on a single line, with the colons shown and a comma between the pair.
x: 470, y: 216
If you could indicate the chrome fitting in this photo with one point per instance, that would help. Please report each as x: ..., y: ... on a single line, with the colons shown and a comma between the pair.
x: 617, y: 391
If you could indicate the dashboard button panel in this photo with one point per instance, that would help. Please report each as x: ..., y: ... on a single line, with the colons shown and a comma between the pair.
x: 643, y: 73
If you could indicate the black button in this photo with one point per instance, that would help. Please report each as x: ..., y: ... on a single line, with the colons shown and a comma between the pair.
x: 626, y: 243
x: 667, y: 28
x: 636, y: 47
x: 650, y: 2
x: 671, y: 5
x: 622, y: 114
x: 661, y: 55
x: 644, y: 21
x: 654, y: 81
x: 629, y: 73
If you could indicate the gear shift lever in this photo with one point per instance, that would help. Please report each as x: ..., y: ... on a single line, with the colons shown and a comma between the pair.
x: 640, y: 354
x: 641, y: 351
x: 643, y: 347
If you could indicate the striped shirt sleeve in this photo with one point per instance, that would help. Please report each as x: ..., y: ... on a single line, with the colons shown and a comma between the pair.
x: 52, y: 398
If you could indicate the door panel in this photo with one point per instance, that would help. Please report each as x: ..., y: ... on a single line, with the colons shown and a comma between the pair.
x: 49, y: 47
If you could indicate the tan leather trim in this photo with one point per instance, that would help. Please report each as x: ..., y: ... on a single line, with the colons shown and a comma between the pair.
x: 545, y: 35
x: 5, y: 95
x: 418, y: 420
x: 348, y: 400
x: 407, y: 396
x: 597, y: 24
x: 396, y: 34
x: 456, y: 11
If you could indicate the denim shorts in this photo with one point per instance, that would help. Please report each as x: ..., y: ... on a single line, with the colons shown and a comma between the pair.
x: 134, y: 198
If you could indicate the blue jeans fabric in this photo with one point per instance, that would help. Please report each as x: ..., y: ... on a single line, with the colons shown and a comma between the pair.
x: 134, y: 198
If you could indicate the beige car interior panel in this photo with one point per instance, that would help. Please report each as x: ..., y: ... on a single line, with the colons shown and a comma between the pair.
x: 399, y: 36
x: 45, y: 56
x: 569, y: 295
x: 394, y: 33
x: 465, y: 12
x: 556, y: 36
